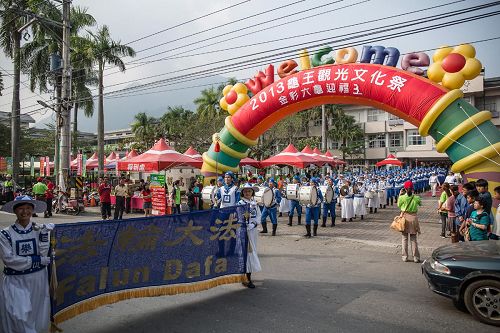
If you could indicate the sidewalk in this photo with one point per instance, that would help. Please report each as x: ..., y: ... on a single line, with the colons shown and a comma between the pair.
x: 374, y: 229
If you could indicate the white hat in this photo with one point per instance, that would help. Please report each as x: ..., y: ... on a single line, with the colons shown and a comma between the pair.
x: 250, y: 186
x: 38, y: 206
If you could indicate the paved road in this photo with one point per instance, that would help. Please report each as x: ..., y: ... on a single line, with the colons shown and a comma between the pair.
x: 348, y: 279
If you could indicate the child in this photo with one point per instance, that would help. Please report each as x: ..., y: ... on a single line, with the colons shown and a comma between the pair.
x: 471, y: 197
x: 479, y: 221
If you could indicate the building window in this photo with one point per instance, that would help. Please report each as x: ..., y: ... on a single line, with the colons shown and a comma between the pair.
x: 414, y: 139
x: 333, y: 145
x: 488, y: 103
x: 396, y: 139
x: 393, y: 117
x: 376, y: 140
x: 375, y: 115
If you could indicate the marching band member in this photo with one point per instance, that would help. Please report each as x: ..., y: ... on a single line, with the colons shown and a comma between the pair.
x: 347, y: 204
x: 359, y: 200
x: 254, y: 218
x: 284, y: 206
x: 227, y: 196
x: 24, y: 287
x: 382, y: 185
x: 329, y: 207
x: 374, y: 202
x: 312, y: 210
x: 295, y: 205
x: 271, y: 211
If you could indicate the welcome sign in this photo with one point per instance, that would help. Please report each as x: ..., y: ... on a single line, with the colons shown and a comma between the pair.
x: 100, y: 262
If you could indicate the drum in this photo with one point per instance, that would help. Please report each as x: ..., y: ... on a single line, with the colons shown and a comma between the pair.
x: 308, y: 195
x: 264, y: 196
x: 370, y: 194
x: 208, y: 194
x: 327, y: 192
x: 292, y: 191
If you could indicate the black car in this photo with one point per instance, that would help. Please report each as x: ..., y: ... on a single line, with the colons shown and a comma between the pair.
x: 469, y: 274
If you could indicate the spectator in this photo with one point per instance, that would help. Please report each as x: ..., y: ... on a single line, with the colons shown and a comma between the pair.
x: 460, y: 207
x: 176, y: 197
x: 49, y: 195
x: 39, y: 191
x: 147, y: 200
x: 120, y: 195
x: 105, y: 198
x: 479, y: 221
x: 443, y: 213
x: 495, y: 230
x: 191, y: 198
x: 408, y: 203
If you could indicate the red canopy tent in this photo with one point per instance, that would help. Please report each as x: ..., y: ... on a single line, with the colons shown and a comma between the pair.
x: 307, y: 151
x: 93, y: 162
x: 289, y: 156
x: 161, y: 156
x: 195, y: 155
x: 335, y: 160
x: 112, y: 157
x: 390, y: 160
x: 132, y: 153
x: 321, y: 157
x: 251, y: 162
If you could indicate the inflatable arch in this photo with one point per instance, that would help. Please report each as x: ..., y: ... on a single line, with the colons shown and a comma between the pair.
x: 467, y: 135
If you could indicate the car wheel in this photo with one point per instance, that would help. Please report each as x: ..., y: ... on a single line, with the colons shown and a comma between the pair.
x: 482, y: 299
x: 460, y: 305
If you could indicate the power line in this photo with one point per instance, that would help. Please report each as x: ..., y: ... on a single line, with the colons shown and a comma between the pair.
x: 292, y: 21
x: 234, y: 66
x: 39, y: 110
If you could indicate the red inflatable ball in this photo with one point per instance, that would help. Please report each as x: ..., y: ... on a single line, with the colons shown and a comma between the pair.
x: 453, y: 62
x: 231, y: 97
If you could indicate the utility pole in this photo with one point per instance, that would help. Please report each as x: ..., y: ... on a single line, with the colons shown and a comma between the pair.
x: 65, y: 149
x: 15, y: 127
x: 323, y: 128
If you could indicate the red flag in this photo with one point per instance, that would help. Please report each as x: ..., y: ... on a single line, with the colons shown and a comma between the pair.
x: 217, y: 147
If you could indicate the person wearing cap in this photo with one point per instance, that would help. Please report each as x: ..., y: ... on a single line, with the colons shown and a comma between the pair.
x: 408, y: 202
x: 312, y: 209
x: 347, y: 203
x: 39, y: 190
x: 8, y: 188
x: 359, y: 200
x: 227, y: 196
x: 329, y: 208
x: 374, y: 202
x: 271, y: 211
x: 24, y: 287
x: 295, y: 205
x: 250, y: 214
x: 434, y: 183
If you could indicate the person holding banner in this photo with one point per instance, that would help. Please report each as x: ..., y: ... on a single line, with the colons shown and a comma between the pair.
x: 251, y: 216
x: 24, y: 287
x: 228, y: 195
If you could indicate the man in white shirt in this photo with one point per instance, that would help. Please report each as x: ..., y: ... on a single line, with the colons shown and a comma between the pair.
x: 434, y: 183
x: 450, y: 179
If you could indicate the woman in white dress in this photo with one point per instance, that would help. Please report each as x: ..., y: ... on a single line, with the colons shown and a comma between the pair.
x: 359, y: 201
x: 347, y: 204
x: 252, y: 216
x: 24, y: 286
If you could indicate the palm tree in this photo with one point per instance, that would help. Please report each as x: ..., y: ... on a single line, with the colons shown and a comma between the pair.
x: 12, y: 18
x: 346, y: 130
x: 47, y: 41
x: 173, y: 123
x: 105, y: 50
x: 142, y: 129
x: 207, y: 105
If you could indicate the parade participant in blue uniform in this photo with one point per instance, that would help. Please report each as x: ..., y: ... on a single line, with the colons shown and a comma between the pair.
x: 382, y: 185
x: 390, y: 190
x: 253, y: 218
x: 359, y: 200
x: 312, y: 210
x: 329, y: 207
x: 271, y: 211
x: 374, y: 202
x: 227, y: 196
x: 295, y: 205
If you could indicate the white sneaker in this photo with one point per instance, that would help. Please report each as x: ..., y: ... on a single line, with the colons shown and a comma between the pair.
x: 404, y: 259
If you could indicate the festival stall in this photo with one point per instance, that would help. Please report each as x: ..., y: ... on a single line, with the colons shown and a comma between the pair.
x: 389, y: 160
x: 247, y: 161
x: 192, y: 153
x: 334, y: 160
x: 290, y: 156
x: 307, y: 151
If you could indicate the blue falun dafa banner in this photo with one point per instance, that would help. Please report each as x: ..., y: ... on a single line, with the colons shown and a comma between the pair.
x: 103, y: 262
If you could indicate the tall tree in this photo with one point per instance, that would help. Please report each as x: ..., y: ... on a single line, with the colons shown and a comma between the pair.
x: 142, y: 127
x: 13, y: 17
x: 345, y: 130
x: 207, y: 105
x: 104, y: 50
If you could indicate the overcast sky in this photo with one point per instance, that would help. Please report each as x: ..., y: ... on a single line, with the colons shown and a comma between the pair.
x: 129, y: 20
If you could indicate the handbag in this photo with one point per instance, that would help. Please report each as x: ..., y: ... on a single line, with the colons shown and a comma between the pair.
x: 399, y: 222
